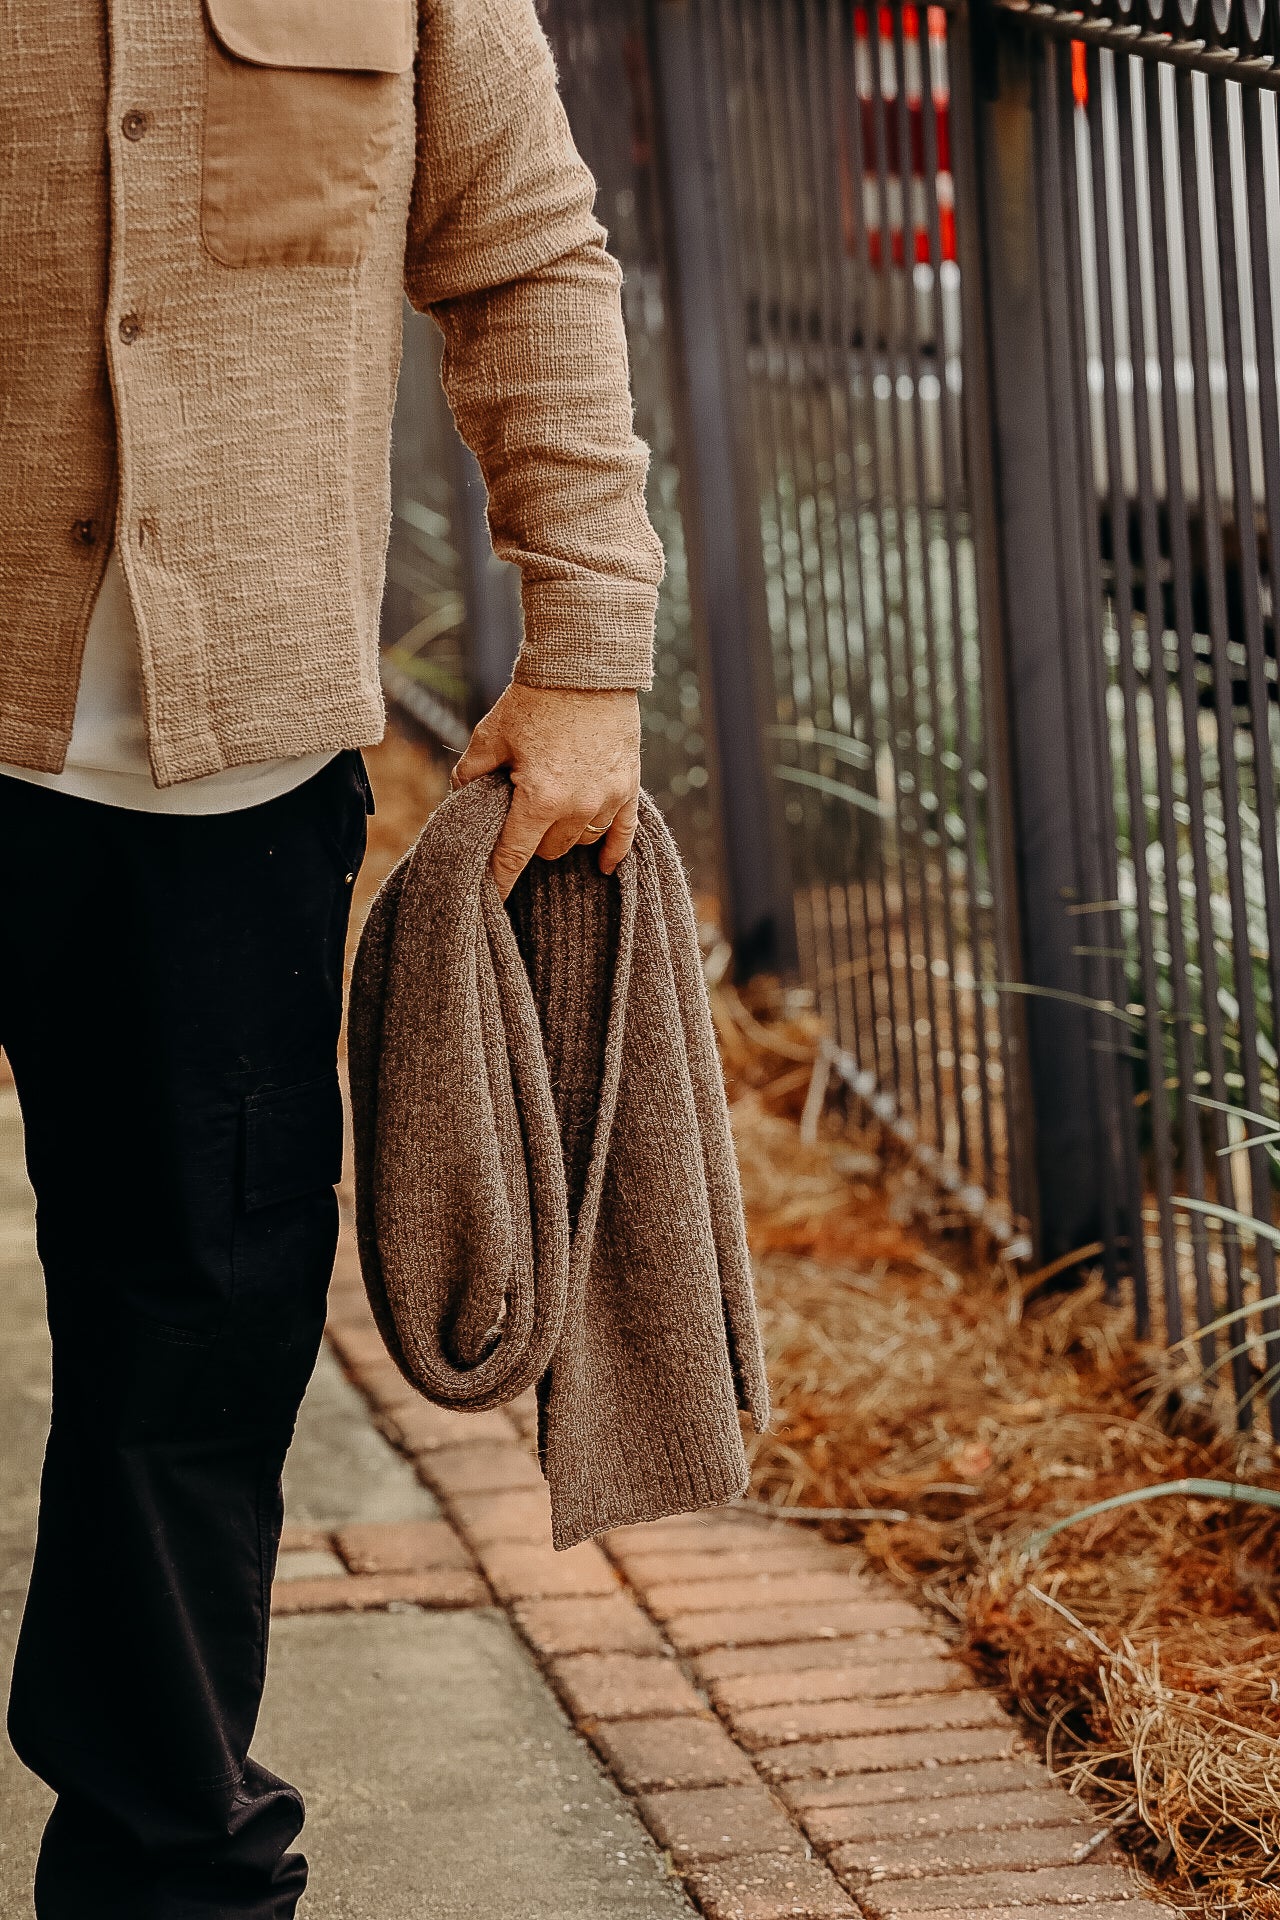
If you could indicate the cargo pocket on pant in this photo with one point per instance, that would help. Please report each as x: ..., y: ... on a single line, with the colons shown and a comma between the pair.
x: 304, y: 103
x: 286, y: 1232
x: 292, y: 1141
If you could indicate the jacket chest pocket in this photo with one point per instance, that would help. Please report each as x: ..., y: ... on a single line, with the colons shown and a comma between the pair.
x: 304, y: 103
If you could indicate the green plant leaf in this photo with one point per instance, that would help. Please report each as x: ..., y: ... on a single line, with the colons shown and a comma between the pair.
x: 1262, y: 1388
x: 1196, y: 1489
x: 836, y: 788
x: 1262, y: 1228
x: 1238, y: 1113
x: 1227, y: 1320
x: 1107, y: 1007
x: 856, y: 751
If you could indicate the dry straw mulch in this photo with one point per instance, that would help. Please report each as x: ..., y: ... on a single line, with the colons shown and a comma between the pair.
x: 915, y: 1374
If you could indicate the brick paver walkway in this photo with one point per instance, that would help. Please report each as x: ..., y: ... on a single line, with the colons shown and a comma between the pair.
x: 794, y: 1734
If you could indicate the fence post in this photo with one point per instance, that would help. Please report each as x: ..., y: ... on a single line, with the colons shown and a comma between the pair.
x: 1040, y: 611
x: 718, y: 505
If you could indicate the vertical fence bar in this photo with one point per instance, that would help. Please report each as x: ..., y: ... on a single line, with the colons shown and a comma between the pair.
x: 1258, y: 703
x: 1259, y: 199
x: 1215, y: 582
x: 1095, y: 916
x: 722, y: 522
x: 925, y: 663
x: 952, y: 462
x: 889, y: 483
x: 820, y: 114
x: 1122, y: 603
x: 1069, y: 1141
x: 1158, y: 599
x: 849, y: 380
x: 974, y: 76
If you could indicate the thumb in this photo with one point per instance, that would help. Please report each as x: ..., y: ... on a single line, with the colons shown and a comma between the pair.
x: 485, y: 752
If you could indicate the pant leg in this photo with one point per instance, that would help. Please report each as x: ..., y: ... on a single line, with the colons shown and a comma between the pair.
x: 170, y: 997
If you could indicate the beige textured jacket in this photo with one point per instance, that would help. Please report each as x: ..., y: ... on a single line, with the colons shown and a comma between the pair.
x: 209, y: 210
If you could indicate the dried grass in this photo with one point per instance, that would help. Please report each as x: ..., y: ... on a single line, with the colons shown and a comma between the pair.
x: 912, y: 1373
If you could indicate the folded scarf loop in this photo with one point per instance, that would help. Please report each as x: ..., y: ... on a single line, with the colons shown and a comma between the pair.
x: 547, y: 1193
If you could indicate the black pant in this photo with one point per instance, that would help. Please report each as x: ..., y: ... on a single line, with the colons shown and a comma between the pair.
x: 170, y: 996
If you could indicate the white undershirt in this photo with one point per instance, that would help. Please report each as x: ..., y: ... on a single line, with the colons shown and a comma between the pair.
x: 107, y: 757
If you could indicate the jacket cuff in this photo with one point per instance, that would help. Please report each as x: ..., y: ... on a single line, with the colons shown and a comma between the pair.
x: 592, y: 635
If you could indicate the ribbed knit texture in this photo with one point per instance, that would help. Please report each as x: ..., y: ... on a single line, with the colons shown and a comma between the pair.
x: 546, y: 1186
x: 246, y: 449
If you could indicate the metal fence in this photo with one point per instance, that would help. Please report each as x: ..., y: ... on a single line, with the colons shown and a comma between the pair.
x: 953, y: 332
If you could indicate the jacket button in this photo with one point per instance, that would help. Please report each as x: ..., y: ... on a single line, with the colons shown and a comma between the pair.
x: 134, y: 124
x: 85, y: 531
x: 130, y: 327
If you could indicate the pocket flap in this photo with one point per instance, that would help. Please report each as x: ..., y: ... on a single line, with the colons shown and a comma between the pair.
x: 355, y: 36
x: 292, y: 1141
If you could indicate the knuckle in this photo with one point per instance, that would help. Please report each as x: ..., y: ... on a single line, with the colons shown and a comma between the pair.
x: 544, y: 798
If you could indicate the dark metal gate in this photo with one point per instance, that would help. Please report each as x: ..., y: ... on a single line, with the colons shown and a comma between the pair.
x: 953, y: 334
x: 1129, y: 167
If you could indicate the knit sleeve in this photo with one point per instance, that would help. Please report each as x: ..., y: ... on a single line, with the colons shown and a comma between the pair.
x: 505, y: 252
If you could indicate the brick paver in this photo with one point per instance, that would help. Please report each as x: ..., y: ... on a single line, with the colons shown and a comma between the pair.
x: 834, y: 1719
x: 743, y: 1692
x: 799, y: 1738
x: 770, y: 1886
x: 364, y: 1593
x: 760, y: 1589
x: 982, y: 1852
x: 646, y: 1754
x: 876, y: 1752
x: 768, y: 1556
x: 401, y: 1546
x: 893, y: 1644
x: 418, y: 1427
x: 956, y: 1813
x: 703, y: 1824
x: 1063, y: 1887
x: 915, y: 1785
x: 533, y: 1570
x: 611, y: 1625
x: 487, y: 1467
x: 623, y: 1686
x: 497, y: 1519
x: 766, y: 1625
x: 1109, y: 1909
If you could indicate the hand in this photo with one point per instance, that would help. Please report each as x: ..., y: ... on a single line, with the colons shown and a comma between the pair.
x: 574, y: 763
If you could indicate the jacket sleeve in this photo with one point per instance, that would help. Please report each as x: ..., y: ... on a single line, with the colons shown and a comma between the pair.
x: 505, y: 253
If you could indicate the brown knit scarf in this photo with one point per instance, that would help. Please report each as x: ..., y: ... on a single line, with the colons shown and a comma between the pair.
x: 546, y: 1186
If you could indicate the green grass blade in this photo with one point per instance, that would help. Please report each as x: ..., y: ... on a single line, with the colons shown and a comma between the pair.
x: 1263, y: 1229
x: 1223, y: 1359
x: 1225, y: 1320
x: 1107, y: 1007
x: 837, y: 789
x: 855, y: 751
x: 1197, y: 1489
x: 1237, y: 1113
x: 1262, y: 1388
